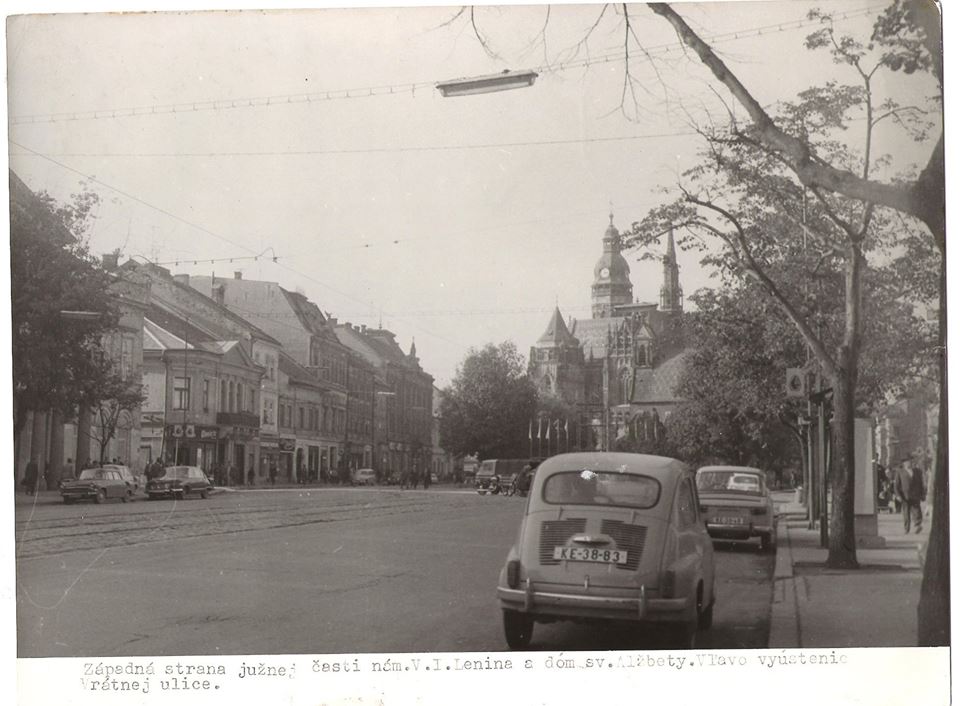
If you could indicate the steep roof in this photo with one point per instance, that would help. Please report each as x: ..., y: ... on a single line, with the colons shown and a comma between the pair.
x: 177, y: 326
x: 659, y: 384
x: 592, y: 334
x: 308, y: 314
x: 557, y: 333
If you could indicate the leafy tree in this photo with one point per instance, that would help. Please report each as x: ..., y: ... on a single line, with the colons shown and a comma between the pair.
x: 58, y: 362
x: 487, y: 408
x: 909, y: 37
x: 120, y: 399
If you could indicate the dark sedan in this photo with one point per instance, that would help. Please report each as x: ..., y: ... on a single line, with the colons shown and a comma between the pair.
x: 179, y: 482
x: 97, y: 484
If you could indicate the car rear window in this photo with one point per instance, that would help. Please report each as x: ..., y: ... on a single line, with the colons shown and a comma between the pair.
x: 590, y: 487
x: 729, y: 482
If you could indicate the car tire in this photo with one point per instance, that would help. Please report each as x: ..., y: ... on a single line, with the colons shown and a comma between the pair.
x: 126, y: 496
x: 100, y: 496
x: 518, y: 629
x: 705, y: 618
x: 768, y: 542
x: 205, y: 493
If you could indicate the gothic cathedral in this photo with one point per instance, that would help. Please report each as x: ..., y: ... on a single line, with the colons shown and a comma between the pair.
x: 620, y: 367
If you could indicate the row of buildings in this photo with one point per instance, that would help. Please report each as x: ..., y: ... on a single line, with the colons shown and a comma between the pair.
x: 250, y: 380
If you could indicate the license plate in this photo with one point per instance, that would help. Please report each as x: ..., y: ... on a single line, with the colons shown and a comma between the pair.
x: 603, y: 556
x: 727, y: 520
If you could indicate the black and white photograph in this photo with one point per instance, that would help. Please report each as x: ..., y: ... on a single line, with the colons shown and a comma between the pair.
x: 487, y: 338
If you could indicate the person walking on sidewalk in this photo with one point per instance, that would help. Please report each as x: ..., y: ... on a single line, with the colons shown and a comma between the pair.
x: 909, y: 488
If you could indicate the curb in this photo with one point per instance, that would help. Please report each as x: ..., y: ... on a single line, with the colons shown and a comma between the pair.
x: 784, y: 612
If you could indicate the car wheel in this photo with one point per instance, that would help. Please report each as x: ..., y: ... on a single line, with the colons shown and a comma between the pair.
x: 204, y: 493
x: 100, y: 496
x: 705, y: 619
x: 126, y: 496
x: 768, y: 541
x: 518, y: 629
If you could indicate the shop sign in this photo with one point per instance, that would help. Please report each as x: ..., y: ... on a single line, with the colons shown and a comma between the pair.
x: 287, y: 444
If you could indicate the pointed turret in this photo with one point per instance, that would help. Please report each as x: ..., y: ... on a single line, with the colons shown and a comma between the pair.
x: 557, y: 333
x: 671, y: 294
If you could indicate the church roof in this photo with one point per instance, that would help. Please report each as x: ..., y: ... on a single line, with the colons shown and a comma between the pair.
x: 592, y: 334
x: 659, y: 384
x: 557, y: 333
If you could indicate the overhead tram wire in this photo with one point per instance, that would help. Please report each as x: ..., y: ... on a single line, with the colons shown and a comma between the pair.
x: 225, y: 239
x: 402, y: 88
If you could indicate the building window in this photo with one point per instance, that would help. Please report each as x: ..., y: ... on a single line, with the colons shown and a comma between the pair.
x: 223, y: 395
x: 181, y: 393
x: 302, y: 425
x: 206, y: 395
x: 231, y: 408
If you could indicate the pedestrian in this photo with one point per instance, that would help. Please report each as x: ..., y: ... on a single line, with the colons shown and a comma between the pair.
x: 30, y: 477
x: 909, y: 488
x: 273, y: 474
x: 251, y: 477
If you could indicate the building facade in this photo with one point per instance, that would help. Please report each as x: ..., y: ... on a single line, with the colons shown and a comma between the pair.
x: 619, y: 368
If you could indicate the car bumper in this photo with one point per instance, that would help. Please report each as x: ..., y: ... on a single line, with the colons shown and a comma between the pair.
x: 721, y: 531
x: 79, y: 494
x: 638, y: 607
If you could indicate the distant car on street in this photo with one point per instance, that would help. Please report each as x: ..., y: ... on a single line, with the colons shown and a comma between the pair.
x: 364, y: 476
x: 610, y: 536
x: 179, y: 482
x: 97, y: 484
x: 491, y: 473
x: 737, y: 504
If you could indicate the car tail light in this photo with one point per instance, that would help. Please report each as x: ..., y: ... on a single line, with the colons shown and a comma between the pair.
x: 513, y: 573
x: 669, y: 584
x: 758, y: 511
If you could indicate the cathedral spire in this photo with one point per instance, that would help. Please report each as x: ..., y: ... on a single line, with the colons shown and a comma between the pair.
x: 671, y: 294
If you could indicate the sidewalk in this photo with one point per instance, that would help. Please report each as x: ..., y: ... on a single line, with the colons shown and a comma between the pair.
x: 873, y: 606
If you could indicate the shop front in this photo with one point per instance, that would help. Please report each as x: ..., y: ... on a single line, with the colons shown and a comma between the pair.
x: 191, y: 445
x: 286, y: 447
x: 269, y: 458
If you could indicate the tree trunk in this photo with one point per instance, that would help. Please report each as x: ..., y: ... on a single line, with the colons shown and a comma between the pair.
x: 83, y: 436
x: 842, y: 553
x: 933, y: 610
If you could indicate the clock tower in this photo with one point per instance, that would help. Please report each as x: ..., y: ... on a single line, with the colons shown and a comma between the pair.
x: 611, y: 276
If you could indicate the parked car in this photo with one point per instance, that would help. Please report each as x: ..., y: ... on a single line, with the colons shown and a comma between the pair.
x: 610, y: 536
x: 363, y: 476
x: 179, y: 482
x: 97, y: 484
x: 737, y: 504
x: 125, y: 473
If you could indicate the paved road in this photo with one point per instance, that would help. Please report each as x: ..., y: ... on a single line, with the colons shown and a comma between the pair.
x: 293, y: 571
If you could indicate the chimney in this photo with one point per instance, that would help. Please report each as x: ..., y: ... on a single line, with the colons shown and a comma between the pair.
x: 110, y: 261
x: 182, y: 279
x: 237, y: 274
x: 218, y: 293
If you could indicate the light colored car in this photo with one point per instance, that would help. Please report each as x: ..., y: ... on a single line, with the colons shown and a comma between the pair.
x: 610, y: 536
x: 364, y: 476
x: 737, y: 504
x: 97, y: 484
x: 179, y: 482
x: 125, y: 473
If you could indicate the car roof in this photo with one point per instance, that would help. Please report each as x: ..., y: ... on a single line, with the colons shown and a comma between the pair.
x: 662, y: 468
x: 733, y: 469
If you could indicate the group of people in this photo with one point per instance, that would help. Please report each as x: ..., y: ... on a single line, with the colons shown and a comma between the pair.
x: 905, y: 488
x: 413, y: 479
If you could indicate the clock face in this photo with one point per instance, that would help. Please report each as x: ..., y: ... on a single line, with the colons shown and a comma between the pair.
x: 605, y: 272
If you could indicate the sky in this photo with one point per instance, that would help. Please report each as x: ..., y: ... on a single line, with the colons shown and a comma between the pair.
x: 318, y: 138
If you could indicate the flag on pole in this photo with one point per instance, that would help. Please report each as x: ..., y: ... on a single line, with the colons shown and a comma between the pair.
x: 539, y: 425
x: 566, y: 427
x: 549, y: 424
x: 530, y: 431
